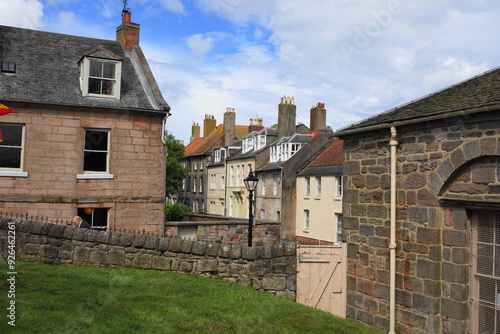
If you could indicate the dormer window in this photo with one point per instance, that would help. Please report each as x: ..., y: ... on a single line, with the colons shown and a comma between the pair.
x: 101, y: 77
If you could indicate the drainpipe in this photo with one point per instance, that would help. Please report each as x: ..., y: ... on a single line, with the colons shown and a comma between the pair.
x: 163, y: 140
x: 392, y: 245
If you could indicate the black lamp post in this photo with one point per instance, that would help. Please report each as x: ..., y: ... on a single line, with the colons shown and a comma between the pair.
x: 251, y: 183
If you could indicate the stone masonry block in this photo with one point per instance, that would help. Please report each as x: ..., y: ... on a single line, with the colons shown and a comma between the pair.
x: 212, y: 249
x: 428, y: 235
x: 456, y: 273
x: 199, y: 247
x: 161, y: 263
x: 427, y: 305
x: 472, y: 150
x: 237, y: 251
x: 446, y: 169
x: 151, y: 242
x: 187, y: 245
x: 163, y: 245
x: 429, y: 269
x: 225, y: 251
x: 139, y: 241
x: 91, y: 235
x: 276, y: 284
x: 103, y: 237
x: 457, y: 158
x: 175, y: 245
x: 126, y: 239
x: 488, y: 146
x: 116, y: 257
x: 250, y: 253
x: 143, y: 261
x: 455, y: 238
x: 56, y: 231
x: 454, y: 309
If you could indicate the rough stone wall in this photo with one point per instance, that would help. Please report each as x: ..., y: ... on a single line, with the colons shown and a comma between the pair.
x: 234, y: 233
x: 270, y: 268
x: 446, y: 159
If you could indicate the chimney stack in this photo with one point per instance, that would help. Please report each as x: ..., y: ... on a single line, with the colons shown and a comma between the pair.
x: 128, y: 33
x: 318, y: 117
x: 195, y: 132
x: 229, y: 126
x: 208, y: 125
x: 255, y: 125
x: 287, y: 111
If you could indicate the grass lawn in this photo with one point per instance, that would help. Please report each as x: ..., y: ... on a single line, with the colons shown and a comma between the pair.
x: 66, y: 299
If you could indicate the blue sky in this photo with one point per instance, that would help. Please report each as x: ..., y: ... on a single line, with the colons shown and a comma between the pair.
x: 358, y: 57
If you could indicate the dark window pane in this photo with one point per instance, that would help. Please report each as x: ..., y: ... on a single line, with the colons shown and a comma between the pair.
x: 95, y: 69
x: 95, y: 86
x: 485, y: 259
x: 12, y: 134
x: 107, y: 87
x: 10, y: 157
x: 108, y: 70
x: 94, y: 162
x: 96, y: 140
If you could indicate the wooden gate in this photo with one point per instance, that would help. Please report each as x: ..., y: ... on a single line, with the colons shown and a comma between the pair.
x: 321, y: 277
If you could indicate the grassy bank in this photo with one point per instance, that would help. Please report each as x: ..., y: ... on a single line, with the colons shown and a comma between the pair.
x: 66, y: 299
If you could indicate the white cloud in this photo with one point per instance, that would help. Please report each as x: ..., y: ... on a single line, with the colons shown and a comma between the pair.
x: 175, y: 6
x: 21, y: 13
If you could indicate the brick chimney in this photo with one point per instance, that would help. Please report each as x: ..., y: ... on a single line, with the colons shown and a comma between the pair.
x: 255, y: 125
x: 195, y: 132
x: 318, y: 117
x: 208, y: 125
x: 128, y: 33
x: 287, y: 111
x: 229, y: 126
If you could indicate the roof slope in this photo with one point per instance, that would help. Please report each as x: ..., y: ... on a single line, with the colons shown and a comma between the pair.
x: 205, y: 145
x: 332, y: 155
x: 48, y: 71
x: 481, y: 91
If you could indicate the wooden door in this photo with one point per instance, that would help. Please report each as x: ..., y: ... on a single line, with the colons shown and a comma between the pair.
x: 321, y: 277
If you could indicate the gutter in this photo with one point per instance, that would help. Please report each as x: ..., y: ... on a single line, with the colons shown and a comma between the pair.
x: 163, y: 135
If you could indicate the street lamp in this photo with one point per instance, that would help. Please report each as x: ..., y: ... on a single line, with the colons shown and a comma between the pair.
x: 251, y: 183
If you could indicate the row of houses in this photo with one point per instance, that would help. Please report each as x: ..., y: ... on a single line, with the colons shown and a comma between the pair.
x: 219, y: 162
x: 413, y: 192
x: 418, y: 185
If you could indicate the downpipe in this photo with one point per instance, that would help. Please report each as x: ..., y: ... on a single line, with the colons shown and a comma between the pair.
x: 392, y: 244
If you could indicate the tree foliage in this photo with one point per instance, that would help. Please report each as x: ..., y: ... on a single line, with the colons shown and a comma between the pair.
x: 175, y: 211
x: 175, y: 172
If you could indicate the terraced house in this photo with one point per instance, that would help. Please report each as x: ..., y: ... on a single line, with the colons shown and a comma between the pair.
x: 86, y: 137
x: 422, y: 214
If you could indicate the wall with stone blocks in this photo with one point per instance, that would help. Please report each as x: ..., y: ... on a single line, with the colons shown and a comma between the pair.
x: 440, y: 165
x: 270, y: 268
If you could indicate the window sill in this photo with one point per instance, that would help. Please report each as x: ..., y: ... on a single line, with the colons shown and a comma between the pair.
x: 95, y: 176
x: 13, y: 174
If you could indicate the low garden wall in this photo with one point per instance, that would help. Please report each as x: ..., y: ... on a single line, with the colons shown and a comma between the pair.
x: 270, y: 268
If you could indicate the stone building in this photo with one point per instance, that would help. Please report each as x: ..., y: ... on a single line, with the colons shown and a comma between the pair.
x: 421, y: 213
x: 86, y: 137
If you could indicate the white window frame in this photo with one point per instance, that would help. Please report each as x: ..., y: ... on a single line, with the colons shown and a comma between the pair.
x: 308, y: 186
x: 263, y: 185
x: 194, y: 184
x: 16, y: 172
x: 275, y: 184
x: 89, y: 174
x: 85, y: 77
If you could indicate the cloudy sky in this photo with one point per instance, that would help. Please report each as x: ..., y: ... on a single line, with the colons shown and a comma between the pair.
x: 359, y: 57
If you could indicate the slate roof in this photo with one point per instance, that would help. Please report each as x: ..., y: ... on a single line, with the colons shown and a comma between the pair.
x: 48, y: 71
x: 480, y: 92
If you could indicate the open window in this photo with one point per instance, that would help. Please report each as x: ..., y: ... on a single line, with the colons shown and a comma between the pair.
x: 96, y: 217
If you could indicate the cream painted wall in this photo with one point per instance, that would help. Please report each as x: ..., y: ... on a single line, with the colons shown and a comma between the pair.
x: 322, y: 208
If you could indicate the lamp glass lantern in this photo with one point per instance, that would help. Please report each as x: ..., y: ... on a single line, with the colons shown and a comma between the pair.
x: 251, y: 181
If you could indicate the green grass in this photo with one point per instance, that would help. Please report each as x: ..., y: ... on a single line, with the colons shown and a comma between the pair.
x: 67, y: 299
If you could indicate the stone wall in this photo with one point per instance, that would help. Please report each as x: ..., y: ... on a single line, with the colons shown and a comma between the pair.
x: 228, y: 232
x: 445, y: 170
x: 270, y: 268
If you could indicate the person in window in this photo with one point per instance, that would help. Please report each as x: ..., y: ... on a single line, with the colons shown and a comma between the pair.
x: 79, y: 222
